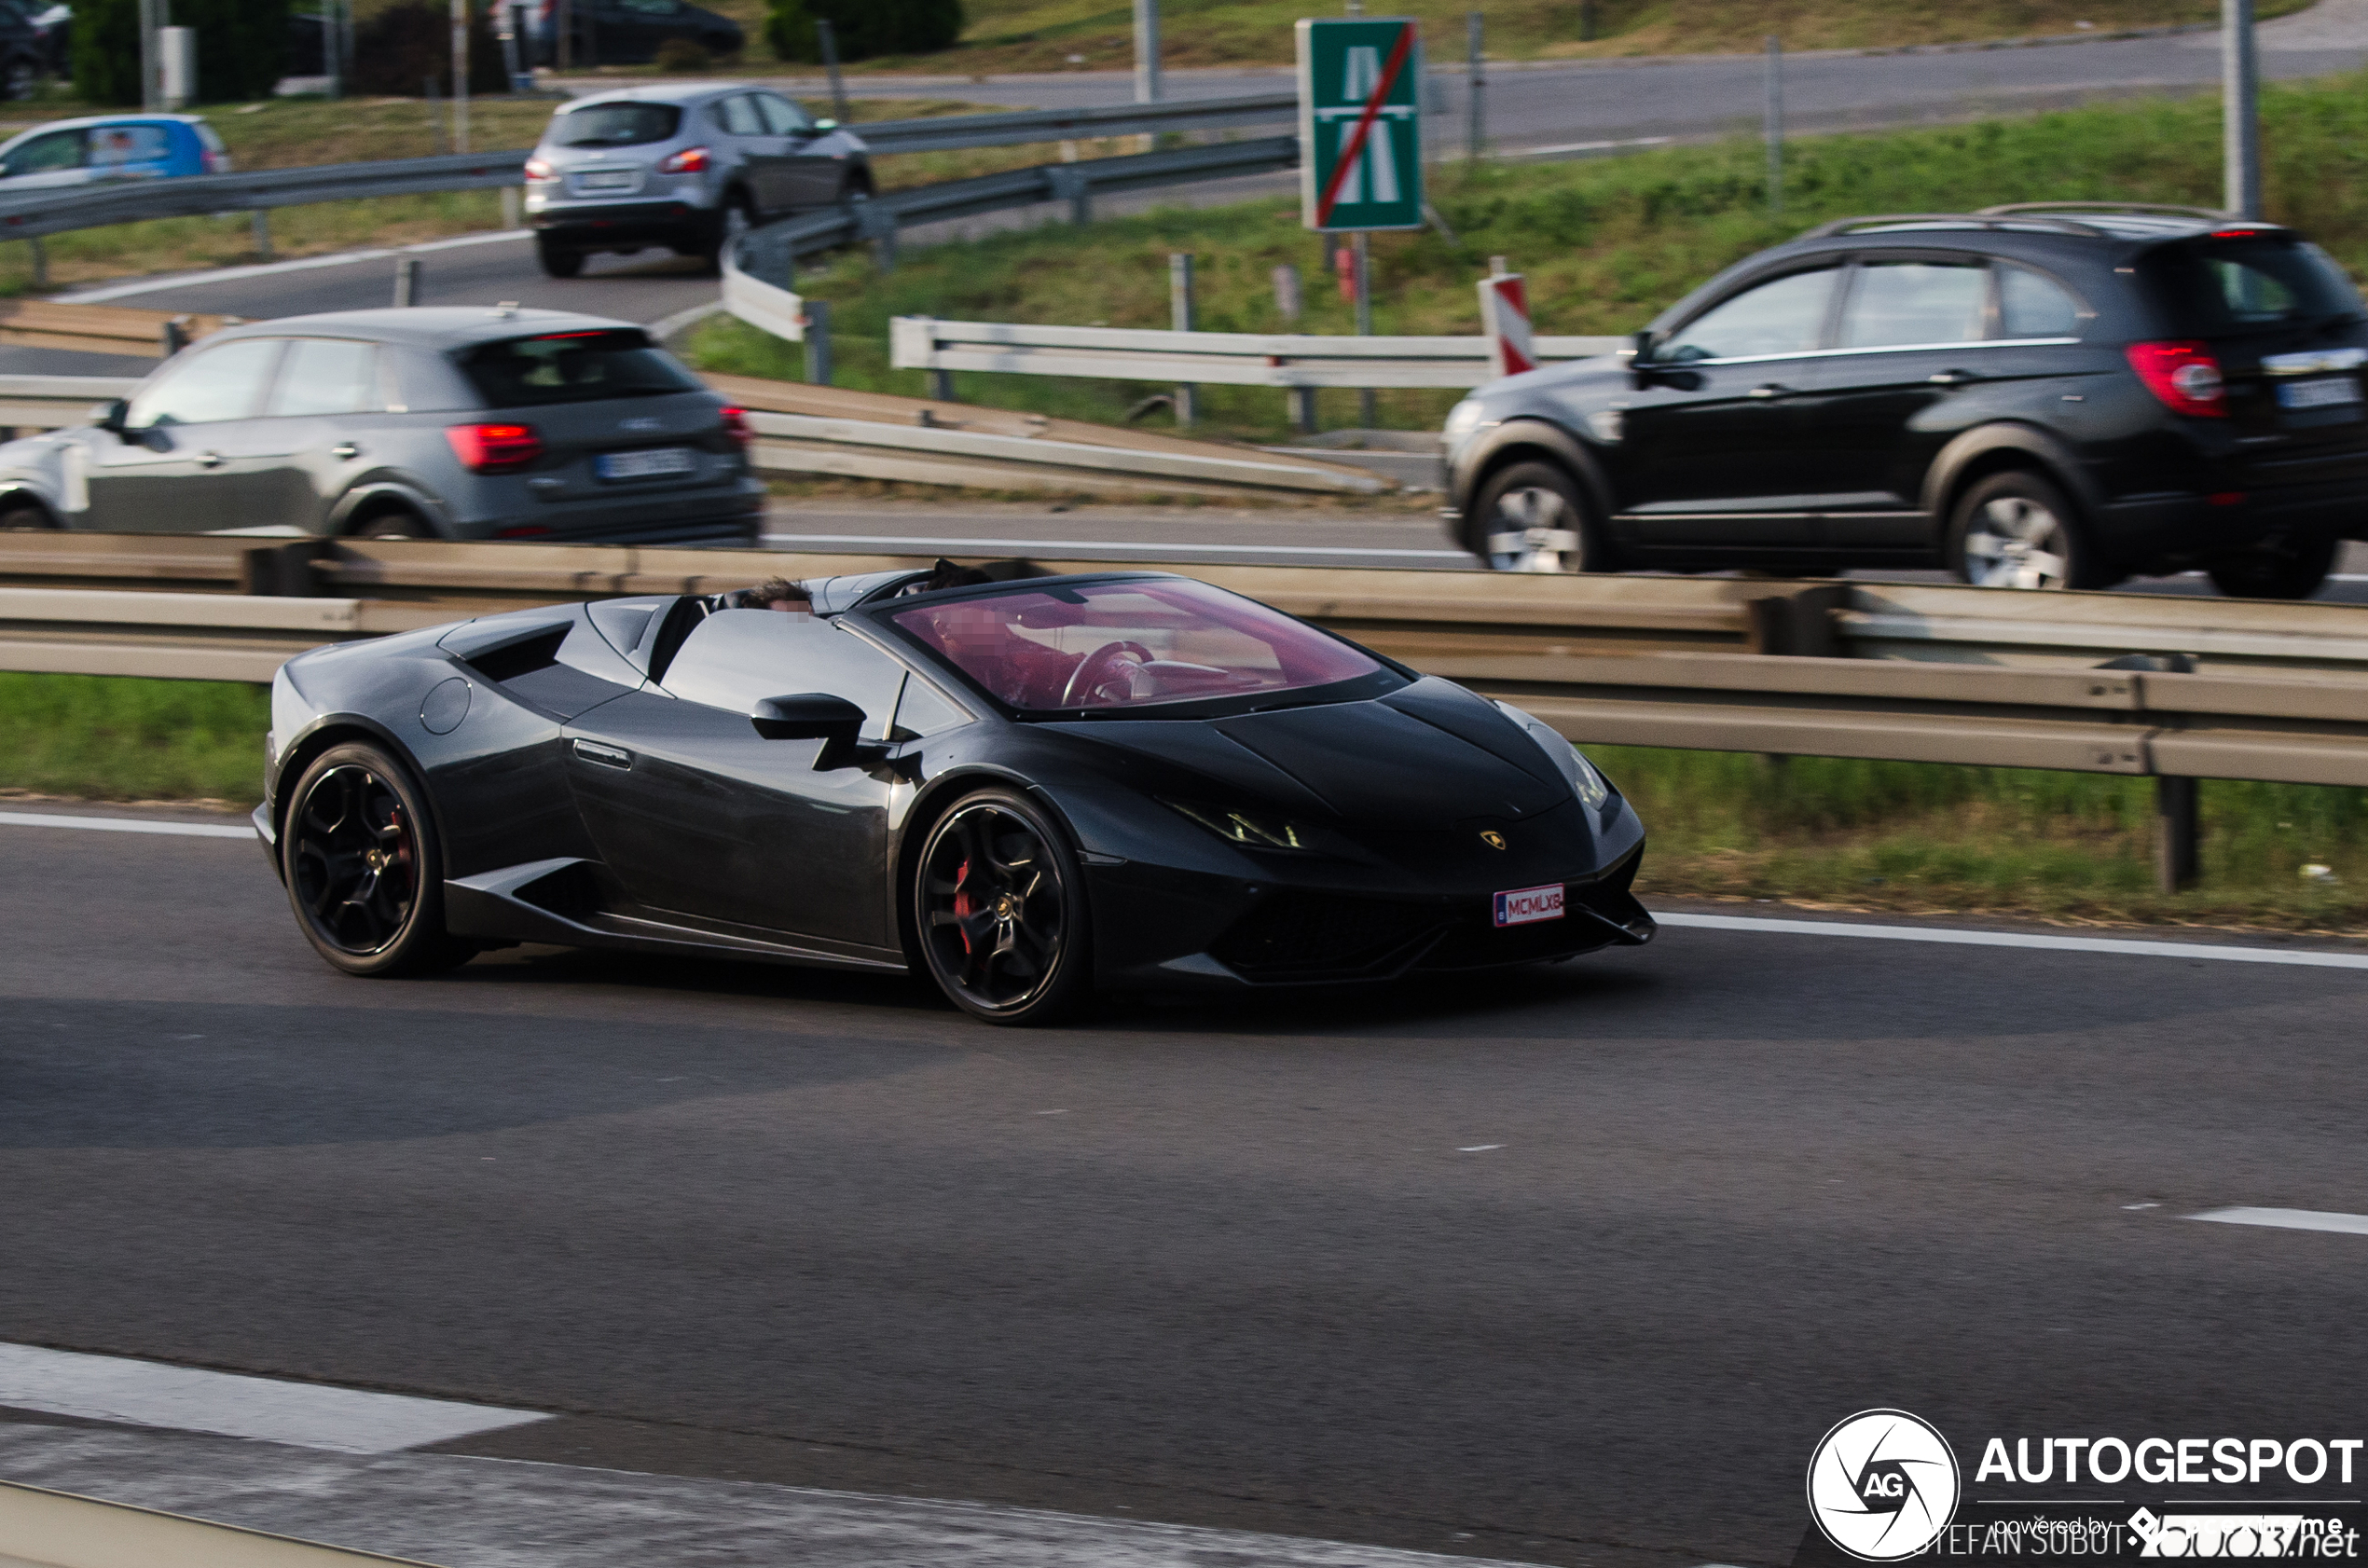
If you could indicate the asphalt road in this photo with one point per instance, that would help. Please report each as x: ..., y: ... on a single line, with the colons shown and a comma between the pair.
x: 1572, y: 1267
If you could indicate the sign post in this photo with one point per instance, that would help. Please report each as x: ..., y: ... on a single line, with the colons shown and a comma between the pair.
x: 1360, y: 136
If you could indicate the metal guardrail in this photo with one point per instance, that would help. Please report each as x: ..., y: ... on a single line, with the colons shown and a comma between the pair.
x: 947, y: 133
x: 43, y: 1529
x: 33, y: 214
x: 1235, y: 358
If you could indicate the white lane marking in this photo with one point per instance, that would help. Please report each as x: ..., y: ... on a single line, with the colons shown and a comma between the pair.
x: 192, y: 1400
x: 2116, y: 945
x: 1589, y: 146
x: 664, y: 327
x: 936, y: 543
x: 274, y: 269
x: 2290, y: 1219
x: 1479, y: 1148
x: 125, y: 825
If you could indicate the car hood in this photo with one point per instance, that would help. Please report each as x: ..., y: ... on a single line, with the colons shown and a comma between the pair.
x: 1425, y: 757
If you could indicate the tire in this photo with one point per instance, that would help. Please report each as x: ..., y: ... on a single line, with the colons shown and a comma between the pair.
x: 1532, y: 517
x: 20, y: 79
x: 558, y: 261
x: 732, y: 220
x: 359, y: 854
x: 2290, y: 571
x: 406, y: 524
x: 998, y: 909
x: 2018, y: 531
x: 21, y: 517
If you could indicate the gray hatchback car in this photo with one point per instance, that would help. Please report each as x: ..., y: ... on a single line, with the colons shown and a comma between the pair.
x: 687, y: 166
x: 454, y: 423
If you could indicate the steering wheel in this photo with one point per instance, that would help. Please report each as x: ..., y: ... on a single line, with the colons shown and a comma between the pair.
x: 1097, y: 669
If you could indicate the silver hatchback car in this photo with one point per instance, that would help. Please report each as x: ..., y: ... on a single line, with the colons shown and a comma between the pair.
x: 688, y: 166
x: 404, y: 424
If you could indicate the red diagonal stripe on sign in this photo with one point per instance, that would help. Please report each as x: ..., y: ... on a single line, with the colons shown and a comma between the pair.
x: 1356, y: 148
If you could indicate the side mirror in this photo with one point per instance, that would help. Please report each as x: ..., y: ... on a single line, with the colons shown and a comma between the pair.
x: 812, y: 716
x: 109, y: 415
x: 824, y: 127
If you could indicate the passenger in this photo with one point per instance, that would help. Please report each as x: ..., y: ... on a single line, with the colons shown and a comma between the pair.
x: 775, y: 593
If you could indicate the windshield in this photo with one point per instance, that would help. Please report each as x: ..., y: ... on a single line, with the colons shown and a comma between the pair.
x: 615, y: 125
x: 1113, y: 645
x: 2228, y: 285
x: 572, y: 367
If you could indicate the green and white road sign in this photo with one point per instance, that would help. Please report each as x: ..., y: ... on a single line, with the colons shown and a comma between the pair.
x: 1360, y: 124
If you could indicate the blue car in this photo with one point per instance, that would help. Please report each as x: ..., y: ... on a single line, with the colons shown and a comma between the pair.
x: 78, y: 152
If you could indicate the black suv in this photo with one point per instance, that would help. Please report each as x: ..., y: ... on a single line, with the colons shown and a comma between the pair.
x: 2047, y: 395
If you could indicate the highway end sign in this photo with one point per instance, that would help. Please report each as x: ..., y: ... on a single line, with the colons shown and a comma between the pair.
x: 1360, y: 124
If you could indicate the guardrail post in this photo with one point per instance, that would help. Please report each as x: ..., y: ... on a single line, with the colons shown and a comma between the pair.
x: 877, y: 224
x: 1773, y: 124
x: 262, y: 223
x: 2175, y: 833
x: 407, y: 281
x: 509, y: 206
x: 1474, y: 87
x: 1181, y: 315
x: 818, y: 342
x: 40, y: 263
x: 828, y: 36
x: 1364, y: 282
x: 1071, y: 186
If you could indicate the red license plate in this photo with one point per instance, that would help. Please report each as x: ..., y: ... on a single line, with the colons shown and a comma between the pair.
x: 1524, y: 905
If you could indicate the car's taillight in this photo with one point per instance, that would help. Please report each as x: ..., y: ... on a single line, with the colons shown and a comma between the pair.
x: 735, y: 425
x: 537, y: 171
x: 2183, y: 375
x: 215, y: 163
x: 494, y: 448
x: 690, y: 160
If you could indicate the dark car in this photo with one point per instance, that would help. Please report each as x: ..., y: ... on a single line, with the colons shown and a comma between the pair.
x: 626, y: 31
x: 34, y: 41
x: 1026, y: 789
x: 444, y: 423
x: 2044, y: 396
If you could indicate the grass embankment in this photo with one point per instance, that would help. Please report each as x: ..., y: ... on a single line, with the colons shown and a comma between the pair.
x: 1094, y: 34
x: 284, y: 134
x: 1605, y: 243
x: 1871, y: 836
x: 106, y: 737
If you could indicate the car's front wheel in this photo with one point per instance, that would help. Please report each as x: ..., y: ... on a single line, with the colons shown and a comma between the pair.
x: 999, y: 911
x: 735, y: 220
x: 358, y: 851
x: 2018, y: 531
x: 1531, y: 517
x: 2289, y: 570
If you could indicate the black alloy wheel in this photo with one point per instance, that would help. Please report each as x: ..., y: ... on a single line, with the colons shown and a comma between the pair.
x: 2017, y: 530
x: 358, y: 855
x: 2284, y: 571
x: 999, y: 909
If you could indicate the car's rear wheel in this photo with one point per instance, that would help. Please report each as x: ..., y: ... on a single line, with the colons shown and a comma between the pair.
x: 999, y: 907
x: 21, y: 517
x: 2018, y: 531
x: 2287, y: 570
x: 1531, y: 517
x: 557, y: 260
x: 403, y: 524
x: 358, y: 851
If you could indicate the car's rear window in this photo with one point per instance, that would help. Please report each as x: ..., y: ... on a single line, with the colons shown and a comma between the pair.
x: 1124, y: 645
x: 615, y: 125
x: 571, y: 367
x: 2213, y: 286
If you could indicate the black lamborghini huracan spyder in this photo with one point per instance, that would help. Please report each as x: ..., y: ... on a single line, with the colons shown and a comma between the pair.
x: 1032, y: 789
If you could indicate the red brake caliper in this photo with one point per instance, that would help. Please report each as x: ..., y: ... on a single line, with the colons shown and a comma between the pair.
x: 963, y: 908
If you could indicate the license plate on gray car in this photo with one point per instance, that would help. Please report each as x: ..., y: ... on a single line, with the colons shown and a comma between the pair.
x: 2326, y: 393
x: 645, y: 464
x: 609, y: 179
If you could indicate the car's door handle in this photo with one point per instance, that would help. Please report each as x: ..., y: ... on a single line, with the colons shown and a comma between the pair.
x: 1951, y: 378
x: 209, y: 459
x: 345, y: 451
x: 1770, y: 389
x: 607, y: 756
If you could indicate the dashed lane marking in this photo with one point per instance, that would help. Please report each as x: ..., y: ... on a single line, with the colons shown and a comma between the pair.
x: 2288, y: 1220
x: 193, y: 1399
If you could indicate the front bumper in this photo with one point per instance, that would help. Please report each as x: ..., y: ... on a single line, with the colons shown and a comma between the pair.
x: 1221, y: 933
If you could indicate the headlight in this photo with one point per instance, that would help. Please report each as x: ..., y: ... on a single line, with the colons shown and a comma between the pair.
x: 1591, y: 787
x: 1462, y: 419
x: 1259, y: 830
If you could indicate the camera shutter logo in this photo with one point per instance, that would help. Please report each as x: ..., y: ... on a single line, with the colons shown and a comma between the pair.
x: 1883, y: 1485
